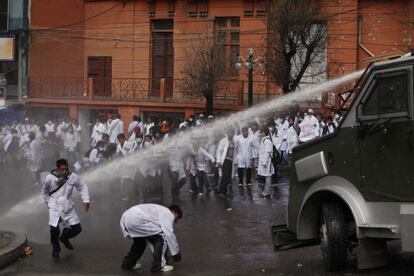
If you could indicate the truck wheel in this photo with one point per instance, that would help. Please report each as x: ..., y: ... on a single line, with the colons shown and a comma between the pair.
x: 334, y: 242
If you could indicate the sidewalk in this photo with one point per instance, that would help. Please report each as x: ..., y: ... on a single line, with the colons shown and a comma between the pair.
x: 11, y: 246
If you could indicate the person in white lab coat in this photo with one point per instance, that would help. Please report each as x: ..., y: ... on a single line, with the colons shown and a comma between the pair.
x: 292, y: 138
x: 96, y: 154
x: 245, y: 145
x: 254, y: 134
x: 125, y: 148
x: 77, y: 129
x: 69, y: 144
x: 115, y: 128
x: 57, y: 194
x: 50, y: 127
x: 97, y: 132
x: 265, y: 167
x: 202, y: 159
x: 309, y: 127
x: 135, y: 123
x: 225, y: 159
x: 151, y: 223
x: 34, y: 158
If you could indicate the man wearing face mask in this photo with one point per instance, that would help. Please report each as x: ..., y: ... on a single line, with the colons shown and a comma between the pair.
x: 57, y: 194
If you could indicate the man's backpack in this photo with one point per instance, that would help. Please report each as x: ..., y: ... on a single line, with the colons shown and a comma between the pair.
x: 276, y: 156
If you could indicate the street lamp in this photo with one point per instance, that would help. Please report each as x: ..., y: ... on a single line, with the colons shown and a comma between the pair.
x: 249, y: 63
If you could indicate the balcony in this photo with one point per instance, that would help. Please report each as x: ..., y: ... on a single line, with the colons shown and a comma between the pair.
x: 138, y: 91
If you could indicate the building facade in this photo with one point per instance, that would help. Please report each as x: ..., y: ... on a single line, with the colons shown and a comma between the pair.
x: 89, y: 57
x: 14, y: 38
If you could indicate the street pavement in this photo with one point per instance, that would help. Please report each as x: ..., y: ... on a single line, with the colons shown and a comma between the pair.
x: 216, y: 236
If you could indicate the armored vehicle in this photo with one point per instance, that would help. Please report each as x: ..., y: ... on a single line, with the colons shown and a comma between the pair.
x: 353, y: 190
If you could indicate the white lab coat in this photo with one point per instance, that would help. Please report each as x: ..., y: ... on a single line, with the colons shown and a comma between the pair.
x: 50, y: 128
x: 176, y: 162
x: 77, y: 132
x: 60, y: 130
x: 309, y: 128
x: 69, y: 142
x: 244, y: 151
x: 282, y: 128
x: 132, y: 126
x: 34, y: 156
x: 147, y: 127
x: 98, y: 130
x: 222, y: 152
x: 148, y: 169
x: 265, y: 166
x: 146, y: 220
x: 126, y: 149
x: 255, y: 136
x: 95, y: 156
x: 7, y: 140
x: 60, y: 203
x: 203, y: 157
x: 116, y: 127
x: 292, y: 138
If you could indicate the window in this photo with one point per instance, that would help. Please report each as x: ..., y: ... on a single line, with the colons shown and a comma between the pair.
x: 4, y: 7
x: 388, y: 95
x: 227, y: 30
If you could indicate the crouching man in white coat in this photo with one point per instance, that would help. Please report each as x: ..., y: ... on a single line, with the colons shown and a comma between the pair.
x: 57, y: 193
x: 152, y: 223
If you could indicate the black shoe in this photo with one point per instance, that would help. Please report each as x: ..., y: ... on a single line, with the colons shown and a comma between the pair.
x: 55, y: 255
x: 66, y: 243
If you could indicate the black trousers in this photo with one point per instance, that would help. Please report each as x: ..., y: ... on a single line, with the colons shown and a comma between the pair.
x: 193, y: 183
x: 138, y: 248
x: 67, y: 233
x: 226, y: 169
x: 202, y: 181
x: 240, y: 172
x: 176, y: 184
x: 215, y: 178
x: 275, y: 175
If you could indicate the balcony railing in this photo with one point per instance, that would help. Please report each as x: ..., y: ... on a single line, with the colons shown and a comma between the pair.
x: 229, y: 92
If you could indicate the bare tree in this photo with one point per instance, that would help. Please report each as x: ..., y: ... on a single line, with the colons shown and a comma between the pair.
x: 296, y: 43
x: 204, y: 66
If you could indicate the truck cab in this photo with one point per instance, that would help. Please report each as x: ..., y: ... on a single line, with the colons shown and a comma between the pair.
x: 354, y: 189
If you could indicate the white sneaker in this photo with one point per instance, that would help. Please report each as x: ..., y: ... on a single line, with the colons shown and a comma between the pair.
x: 167, y: 268
x: 200, y: 194
x: 137, y: 266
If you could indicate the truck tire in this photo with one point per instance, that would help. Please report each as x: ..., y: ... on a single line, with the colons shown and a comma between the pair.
x: 334, y: 241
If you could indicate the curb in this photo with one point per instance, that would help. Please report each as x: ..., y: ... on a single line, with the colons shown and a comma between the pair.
x: 14, y: 249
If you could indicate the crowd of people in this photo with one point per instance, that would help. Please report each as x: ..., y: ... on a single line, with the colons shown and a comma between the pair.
x: 253, y: 153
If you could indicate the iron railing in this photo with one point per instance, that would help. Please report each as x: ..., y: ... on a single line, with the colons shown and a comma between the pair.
x: 229, y: 92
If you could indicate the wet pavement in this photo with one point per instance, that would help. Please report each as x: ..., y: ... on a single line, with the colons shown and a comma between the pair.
x: 217, y: 237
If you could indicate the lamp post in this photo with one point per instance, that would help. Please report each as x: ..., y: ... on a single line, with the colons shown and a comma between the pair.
x: 249, y: 63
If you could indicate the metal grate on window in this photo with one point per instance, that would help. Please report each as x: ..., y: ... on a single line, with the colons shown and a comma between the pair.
x: 235, y: 22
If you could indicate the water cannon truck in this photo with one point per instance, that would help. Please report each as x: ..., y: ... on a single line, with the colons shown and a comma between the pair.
x: 353, y: 191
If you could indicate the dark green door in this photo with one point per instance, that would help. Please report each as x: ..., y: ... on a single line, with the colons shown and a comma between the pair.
x: 385, y: 140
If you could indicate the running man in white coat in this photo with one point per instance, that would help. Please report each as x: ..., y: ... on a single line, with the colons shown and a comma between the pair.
x: 153, y: 223
x: 57, y: 193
